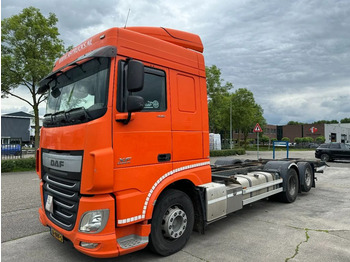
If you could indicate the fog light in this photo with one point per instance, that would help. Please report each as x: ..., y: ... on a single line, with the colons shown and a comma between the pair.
x: 88, y: 245
x: 94, y: 221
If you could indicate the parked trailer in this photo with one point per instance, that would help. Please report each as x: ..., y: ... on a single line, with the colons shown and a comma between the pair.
x: 124, y: 160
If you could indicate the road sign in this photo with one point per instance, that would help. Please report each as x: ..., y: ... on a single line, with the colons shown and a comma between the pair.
x: 257, y: 128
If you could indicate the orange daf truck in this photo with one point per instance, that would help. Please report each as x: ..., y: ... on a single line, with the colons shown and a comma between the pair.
x: 124, y: 148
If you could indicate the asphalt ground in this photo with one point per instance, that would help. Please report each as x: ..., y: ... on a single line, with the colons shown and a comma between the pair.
x: 316, y: 227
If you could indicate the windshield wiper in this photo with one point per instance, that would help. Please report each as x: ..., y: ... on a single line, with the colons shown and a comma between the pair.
x: 77, y: 114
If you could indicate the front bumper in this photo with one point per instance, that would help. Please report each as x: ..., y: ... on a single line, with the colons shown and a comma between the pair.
x: 109, y: 240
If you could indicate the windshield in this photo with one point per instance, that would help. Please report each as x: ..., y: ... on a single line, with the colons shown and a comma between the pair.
x: 79, y: 94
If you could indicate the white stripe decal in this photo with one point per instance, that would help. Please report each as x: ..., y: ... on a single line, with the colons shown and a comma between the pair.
x: 170, y: 173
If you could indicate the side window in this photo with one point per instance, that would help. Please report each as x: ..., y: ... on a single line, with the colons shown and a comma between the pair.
x: 153, y: 92
x: 335, y: 146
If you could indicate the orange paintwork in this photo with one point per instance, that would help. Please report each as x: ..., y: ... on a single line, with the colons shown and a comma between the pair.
x: 181, y: 131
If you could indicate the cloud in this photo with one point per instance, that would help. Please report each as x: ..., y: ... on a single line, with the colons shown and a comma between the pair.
x: 296, y: 52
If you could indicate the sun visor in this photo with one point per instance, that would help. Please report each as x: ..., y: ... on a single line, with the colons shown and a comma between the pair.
x: 105, y: 51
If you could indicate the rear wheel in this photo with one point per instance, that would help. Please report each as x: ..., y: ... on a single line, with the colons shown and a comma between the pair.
x: 172, y: 222
x: 291, y: 192
x: 306, y: 176
x: 325, y: 157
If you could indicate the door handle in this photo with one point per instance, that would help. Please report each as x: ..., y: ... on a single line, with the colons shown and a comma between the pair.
x: 164, y: 157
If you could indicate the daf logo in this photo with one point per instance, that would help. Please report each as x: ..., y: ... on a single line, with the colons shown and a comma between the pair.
x: 126, y: 160
x: 57, y: 163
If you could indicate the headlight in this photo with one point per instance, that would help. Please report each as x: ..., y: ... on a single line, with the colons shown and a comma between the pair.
x: 94, y: 221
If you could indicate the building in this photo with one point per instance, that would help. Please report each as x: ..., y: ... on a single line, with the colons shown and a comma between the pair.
x: 18, y: 126
x: 337, y: 133
x: 332, y: 132
x: 306, y: 130
x: 268, y: 130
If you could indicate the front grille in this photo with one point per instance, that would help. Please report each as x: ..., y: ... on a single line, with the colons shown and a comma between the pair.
x: 64, y: 188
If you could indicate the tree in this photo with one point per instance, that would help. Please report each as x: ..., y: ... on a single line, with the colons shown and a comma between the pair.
x: 246, y: 112
x: 264, y: 139
x: 286, y: 139
x: 30, y: 46
x: 307, y: 140
x: 218, y: 100
x: 326, y: 122
x: 298, y: 140
x: 345, y: 120
x: 295, y: 123
x: 320, y: 139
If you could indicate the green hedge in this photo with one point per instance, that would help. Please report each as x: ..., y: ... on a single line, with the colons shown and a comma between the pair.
x: 16, y: 165
x: 228, y: 152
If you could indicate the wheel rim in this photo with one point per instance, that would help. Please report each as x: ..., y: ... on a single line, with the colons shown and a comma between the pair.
x: 308, y: 177
x: 292, y: 186
x: 174, y: 223
x: 324, y: 157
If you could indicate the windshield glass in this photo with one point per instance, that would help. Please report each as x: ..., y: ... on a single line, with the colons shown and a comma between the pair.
x: 79, y: 94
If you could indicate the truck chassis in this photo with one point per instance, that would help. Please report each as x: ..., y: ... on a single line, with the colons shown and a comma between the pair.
x: 235, y: 183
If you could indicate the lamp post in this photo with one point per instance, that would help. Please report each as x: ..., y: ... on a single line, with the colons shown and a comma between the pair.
x: 231, y: 124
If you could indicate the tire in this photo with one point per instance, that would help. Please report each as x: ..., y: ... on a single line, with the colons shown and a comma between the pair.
x: 172, y: 222
x: 306, y: 175
x: 325, y: 157
x: 291, y: 192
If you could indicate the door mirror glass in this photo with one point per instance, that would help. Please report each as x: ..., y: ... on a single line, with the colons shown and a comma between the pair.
x: 135, y: 103
x: 135, y: 76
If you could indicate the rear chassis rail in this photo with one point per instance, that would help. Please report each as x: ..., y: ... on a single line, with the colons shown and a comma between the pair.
x: 244, y: 167
x: 236, y: 183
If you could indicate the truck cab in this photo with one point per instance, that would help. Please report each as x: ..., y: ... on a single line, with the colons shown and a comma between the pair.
x: 126, y: 120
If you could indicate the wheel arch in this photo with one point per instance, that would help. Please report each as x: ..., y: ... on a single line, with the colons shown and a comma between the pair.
x: 301, y: 169
x: 195, y: 194
x: 185, y: 180
x: 282, y: 168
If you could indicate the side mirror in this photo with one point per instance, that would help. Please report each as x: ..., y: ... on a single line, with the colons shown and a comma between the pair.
x: 135, y: 76
x: 56, y: 92
x: 135, y: 103
x: 43, y: 88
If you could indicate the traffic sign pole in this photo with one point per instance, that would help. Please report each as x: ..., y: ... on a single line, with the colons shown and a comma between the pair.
x: 257, y: 133
x: 257, y: 129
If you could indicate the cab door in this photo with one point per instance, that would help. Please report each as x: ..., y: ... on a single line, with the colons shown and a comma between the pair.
x: 145, y: 143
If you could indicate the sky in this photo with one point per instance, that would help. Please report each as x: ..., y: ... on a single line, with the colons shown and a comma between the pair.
x: 293, y: 55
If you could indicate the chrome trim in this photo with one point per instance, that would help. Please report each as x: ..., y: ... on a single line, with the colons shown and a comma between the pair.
x: 59, y: 193
x: 58, y: 203
x: 64, y: 215
x: 59, y: 184
x: 262, y: 186
x: 70, y: 163
x: 59, y: 222
x: 262, y: 196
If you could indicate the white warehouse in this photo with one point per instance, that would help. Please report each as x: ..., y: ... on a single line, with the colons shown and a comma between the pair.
x: 337, y: 133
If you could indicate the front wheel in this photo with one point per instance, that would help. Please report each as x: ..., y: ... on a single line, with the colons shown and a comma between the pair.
x: 325, y: 157
x: 172, y: 222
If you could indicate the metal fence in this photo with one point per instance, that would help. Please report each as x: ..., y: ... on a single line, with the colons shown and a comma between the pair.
x: 12, y: 150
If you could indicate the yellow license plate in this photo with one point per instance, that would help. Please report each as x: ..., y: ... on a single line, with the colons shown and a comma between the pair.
x: 56, y: 235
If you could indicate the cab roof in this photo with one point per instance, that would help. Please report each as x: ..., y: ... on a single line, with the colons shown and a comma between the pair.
x: 180, y: 38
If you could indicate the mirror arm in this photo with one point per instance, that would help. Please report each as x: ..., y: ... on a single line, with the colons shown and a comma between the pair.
x: 125, y: 121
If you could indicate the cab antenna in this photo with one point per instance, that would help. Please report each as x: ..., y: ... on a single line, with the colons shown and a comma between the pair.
x: 127, y: 17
